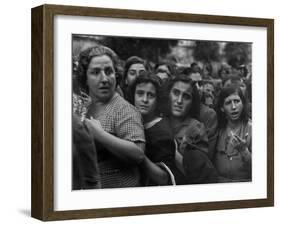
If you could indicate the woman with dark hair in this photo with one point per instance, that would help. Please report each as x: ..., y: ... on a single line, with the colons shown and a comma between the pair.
x: 192, y: 153
x: 159, y: 163
x: 233, y: 157
x: 134, y: 66
x: 114, y: 124
x: 236, y: 80
x: 164, y: 70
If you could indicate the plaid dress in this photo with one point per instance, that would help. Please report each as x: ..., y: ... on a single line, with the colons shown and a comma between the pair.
x: 122, y: 120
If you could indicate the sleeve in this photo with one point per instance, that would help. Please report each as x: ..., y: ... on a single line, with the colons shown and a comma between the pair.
x: 165, y: 152
x: 128, y: 124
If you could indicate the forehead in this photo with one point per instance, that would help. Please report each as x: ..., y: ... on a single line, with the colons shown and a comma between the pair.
x: 231, y: 97
x: 98, y: 61
x: 146, y: 86
x: 137, y: 66
x: 182, y: 86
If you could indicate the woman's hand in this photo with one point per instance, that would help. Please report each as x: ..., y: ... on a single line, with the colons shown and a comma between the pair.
x: 239, y: 143
x: 126, y: 150
x: 93, y: 126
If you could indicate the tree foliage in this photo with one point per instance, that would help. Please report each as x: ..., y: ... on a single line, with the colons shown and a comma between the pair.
x: 237, y: 53
x: 206, y: 51
x: 146, y: 48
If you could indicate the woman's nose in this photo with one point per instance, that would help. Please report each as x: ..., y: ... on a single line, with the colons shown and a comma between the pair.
x: 104, y: 78
x: 179, y: 99
x: 233, y: 105
x: 145, y: 99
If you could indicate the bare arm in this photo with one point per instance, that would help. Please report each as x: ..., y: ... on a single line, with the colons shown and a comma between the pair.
x: 128, y: 151
x: 154, y: 172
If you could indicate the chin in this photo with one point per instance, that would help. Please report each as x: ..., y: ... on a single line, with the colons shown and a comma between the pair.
x: 177, y: 114
x: 105, y: 98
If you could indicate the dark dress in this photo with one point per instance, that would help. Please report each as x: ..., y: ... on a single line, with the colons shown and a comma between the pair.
x: 192, y: 140
x: 160, y: 145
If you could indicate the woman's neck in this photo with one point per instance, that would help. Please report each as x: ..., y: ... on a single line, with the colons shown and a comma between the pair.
x: 97, y: 102
x: 177, y: 121
x: 233, y: 124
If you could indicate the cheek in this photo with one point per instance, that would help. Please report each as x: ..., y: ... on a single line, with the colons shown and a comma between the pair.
x: 172, y: 98
x: 91, y: 81
x: 131, y: 77
x: 136, y: 100
x: 153, y: 104
x: 241, y: 106
x: 188, y: 104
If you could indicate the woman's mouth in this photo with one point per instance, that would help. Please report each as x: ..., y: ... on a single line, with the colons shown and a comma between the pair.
x: 235, y: 114
x: 104, y: 89
x: 143, y: 107
x: 177, y: 108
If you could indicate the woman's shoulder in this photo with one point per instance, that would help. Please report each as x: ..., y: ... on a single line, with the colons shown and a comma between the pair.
x: 122, y: 105
x: 161, y: 128
x: 247, y: 127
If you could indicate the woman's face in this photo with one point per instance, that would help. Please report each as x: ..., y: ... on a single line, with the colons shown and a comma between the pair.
x: 101, y: 78
x: 180, y: 99
x: 146, y: 99
x: 232, y: 107
x: 134, y: 71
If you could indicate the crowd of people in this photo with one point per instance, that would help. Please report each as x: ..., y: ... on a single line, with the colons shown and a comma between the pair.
x: 134, y: 125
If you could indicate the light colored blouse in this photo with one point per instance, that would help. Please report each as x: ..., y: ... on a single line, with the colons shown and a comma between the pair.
x: 231, y: 163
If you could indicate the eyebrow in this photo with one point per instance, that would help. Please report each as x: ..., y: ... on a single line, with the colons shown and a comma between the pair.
x: 185, y: 92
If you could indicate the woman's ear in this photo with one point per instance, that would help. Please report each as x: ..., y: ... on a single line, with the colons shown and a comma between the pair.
x: 222, y: 109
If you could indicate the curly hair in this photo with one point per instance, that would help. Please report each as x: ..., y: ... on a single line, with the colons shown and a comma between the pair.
x: 85, y: 58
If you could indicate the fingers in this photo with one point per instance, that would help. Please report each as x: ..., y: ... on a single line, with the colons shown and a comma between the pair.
x: 246, y: 136
x: 239, y: 139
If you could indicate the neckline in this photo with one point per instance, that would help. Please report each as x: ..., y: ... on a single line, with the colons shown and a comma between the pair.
x: 152, y: 123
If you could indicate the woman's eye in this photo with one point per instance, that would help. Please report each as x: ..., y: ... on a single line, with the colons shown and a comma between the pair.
x: 141, y: 72
x: 132, y: 73
x: 227, y: 102
x: 151, y: 95
x: 186, y: 96
x: 176, y: 92
x: 108, y: 70
x: 96, y: 71
x: 139, y: 93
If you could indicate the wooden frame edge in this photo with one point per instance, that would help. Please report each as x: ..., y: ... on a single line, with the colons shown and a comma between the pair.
x: 42, y: 203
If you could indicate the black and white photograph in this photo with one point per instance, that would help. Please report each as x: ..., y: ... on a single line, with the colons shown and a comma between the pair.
x: 160, y: 112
